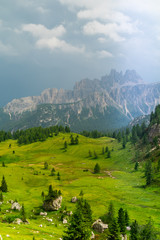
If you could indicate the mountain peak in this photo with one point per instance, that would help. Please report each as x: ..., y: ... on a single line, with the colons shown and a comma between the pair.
x: 131, y: 77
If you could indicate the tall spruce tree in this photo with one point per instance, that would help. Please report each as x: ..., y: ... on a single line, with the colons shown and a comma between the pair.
x: 126, y: 218
x: 148, y: 232
x: 23, y: 214
x: 97, y: 168
x: 80, y: 225
x: 121, y: 221
x: 111, y: 213
x: 114, y: 233
x: 148, y: 172
x: 134, y: 233
x: 4, y: 187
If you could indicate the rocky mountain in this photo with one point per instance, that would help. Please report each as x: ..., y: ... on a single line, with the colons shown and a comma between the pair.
x: 108, y: 103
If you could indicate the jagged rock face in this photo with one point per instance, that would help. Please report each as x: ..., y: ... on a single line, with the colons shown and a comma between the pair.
x: 91, y: 103
x: 154, y: 131
x: 52, y: 205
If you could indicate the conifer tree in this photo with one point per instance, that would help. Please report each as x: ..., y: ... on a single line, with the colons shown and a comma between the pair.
x: 106, y: 150
x: 148, y: 232
x: 76, y: 139
x: 148, y: 172
x: 136, y: 166
x: 108, y: 154
x: 23, y: 214
x: 42, y: 195
x: 90, y: 153
x: 79, y: 227
x: 111, y: 212
x: 134, y: 233
x: 4, y: 187
x: 114, y: 233
x: 124, y: 142
x: 121, y: 221
x: 95, y: 155
x: 65, y: 144
x: 126, y: 218
x: 1, y: 197
x: 97, y: 168
x: 53, y: 172
x: 3, y: 164
x: 81, y: 193
x: 45, y: 165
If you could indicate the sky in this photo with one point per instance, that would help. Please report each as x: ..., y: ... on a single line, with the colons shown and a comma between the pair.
x: 55, y: 43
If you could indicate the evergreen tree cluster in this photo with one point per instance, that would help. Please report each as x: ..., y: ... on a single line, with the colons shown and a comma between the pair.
x: 117, y: 226
x: 74, y: 141
x: 37, y: 134
x: 5, y: 136
x: 52, y: 194
x: 79, y: 227
x: 155, y: 117
x: 33, y: 134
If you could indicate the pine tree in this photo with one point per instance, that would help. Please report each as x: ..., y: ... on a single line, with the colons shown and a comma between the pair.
x: 90, y: 153
x: 79, y: 227
x: 108, y: 154
x: 81, y: 193
x: 136, y: 166
x: 124, y: 143
x: 95, y: 155
x: 148, y: 172
x: 65, y: 145
x: 134, y: 233
x: 1, y: 197
x: 3, y: 164
x: 114, y: 233
x: 111, y: 212
x: 4, y: 187
x: 126, y: 218
x: 45, y: 165
x: 106, y: 150
x: 148, y: 232
x: 53, y: 172
x: 42, y: 195
x: 97, y: 168
x: 23, y: 214
x: 121, y: 221
x: 76, y: 139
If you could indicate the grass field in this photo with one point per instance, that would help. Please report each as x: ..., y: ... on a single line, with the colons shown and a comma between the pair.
x: 117, y: 182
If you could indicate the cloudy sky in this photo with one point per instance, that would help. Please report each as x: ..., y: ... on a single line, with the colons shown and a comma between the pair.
x: 54, y: 43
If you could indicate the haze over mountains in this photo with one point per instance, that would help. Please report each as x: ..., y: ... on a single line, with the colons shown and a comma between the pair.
x: 108, y: 103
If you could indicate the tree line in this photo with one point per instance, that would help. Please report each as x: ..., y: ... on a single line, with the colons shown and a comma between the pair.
x: 33, y: 134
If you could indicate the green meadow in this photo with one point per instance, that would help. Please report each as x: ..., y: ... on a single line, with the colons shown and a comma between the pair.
x: 118, y: 182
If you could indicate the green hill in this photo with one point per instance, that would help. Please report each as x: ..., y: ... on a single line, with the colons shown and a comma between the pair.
x: 26, y: 179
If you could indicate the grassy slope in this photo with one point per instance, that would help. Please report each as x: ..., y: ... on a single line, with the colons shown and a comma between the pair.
x: 125, y: 188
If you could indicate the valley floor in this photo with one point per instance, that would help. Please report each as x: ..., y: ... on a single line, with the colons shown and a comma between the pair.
x: 26, y: 179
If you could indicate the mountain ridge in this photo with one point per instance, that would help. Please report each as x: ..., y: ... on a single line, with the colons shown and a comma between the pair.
x: 127, y: 94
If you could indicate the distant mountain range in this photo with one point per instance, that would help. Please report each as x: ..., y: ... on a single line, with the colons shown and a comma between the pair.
x: 108, y: 103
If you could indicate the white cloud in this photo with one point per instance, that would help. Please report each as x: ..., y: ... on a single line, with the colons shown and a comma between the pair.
x: 102, y: 40
x: 7, y: 50
x: 49, y: 38
x: 104, y: 54
x: 55, y: 43
x: 40, y: 31
x: 110, y: 30
x: 42, y: 10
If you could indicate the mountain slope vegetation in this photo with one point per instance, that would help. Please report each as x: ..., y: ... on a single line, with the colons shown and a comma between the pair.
x: 117, y: 181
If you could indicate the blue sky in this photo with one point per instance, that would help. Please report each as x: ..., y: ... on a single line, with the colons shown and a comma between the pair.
x: 54, y: 43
